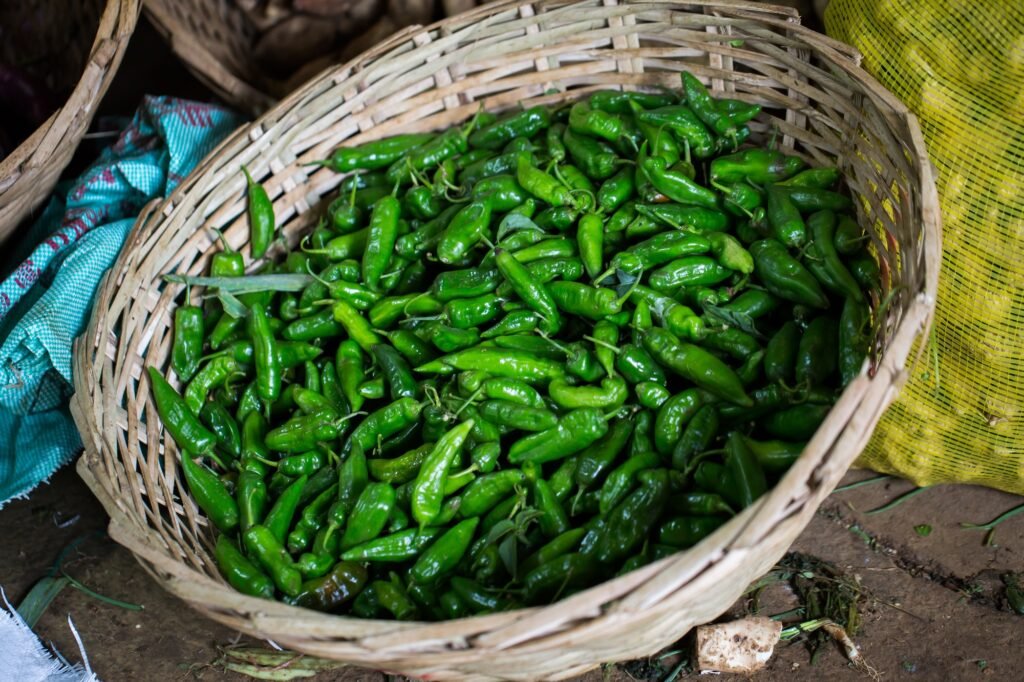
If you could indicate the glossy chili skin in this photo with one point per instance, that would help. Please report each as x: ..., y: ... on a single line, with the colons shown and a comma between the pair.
x: 854, y: 338
x: 428, y: 489
x: 522, y: 124
x: 575, y: 431
x: 784, y: 276
x: 627, y: 524
x: 695, y: 364
x: 179, y: 420
x: 823, y: 260
x: 446, y: 552
x: 816, y: 356
x: 760, y: 166
x: 261, y: 216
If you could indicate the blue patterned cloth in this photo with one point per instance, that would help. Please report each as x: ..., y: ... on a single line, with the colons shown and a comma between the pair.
x: 46, y: 300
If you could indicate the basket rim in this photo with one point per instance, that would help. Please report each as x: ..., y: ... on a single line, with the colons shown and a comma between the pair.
x: 55, y: 140
x: 804, y: 475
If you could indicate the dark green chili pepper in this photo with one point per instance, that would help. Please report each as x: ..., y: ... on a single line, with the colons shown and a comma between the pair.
x: 251, y: 497
x: 500, y: 362
x: 745, y: 473
x: 784, y: 276
x: 279, y: 519
x: 261, y: 217
x: 369, y: 515
x: 470, y: 283
x: 700, y: 101
x: 314, y: 565
x: 780, y: 353
x: 533, y: 293
x: 395, y: 548
x: 611, y: 393
x: 575, y: 431
x: 849, y: 237
x: 241, y: 574
x: 775, y: 456
x: 786, y: 222
x: 813, y: 178
x: 388, y: 311
x: 330, y: 592
x: 823, y: 260
x: 216, y: 372
x: 397, y: 373
x: 512, y: 390
x: 695, y: 364
x: 808, y: 199
x: 574, y: 298
x: 760, y: 166
x: 865, y: 270
x: 816, y: 356
x: 622, y: 479
x: 658, y: 250
x: 686, y: 531
x: 753, y: 303
x: 450, y: 340
x: 426, y: 156
x: 179, y: 420
x: 467, y: 313
x: 797, y: 423
x: 697, y: 437
x: 618, y: 101
x: 540, y: 184
x: 414, y: 349
x: 422, y: 203
x: 854, y: 338
x: 567, y: 571
x: 732, y: 341
x: 261, y: 543
x: 548, y: 248
x: 303, y: 433
x: 311, y: 519
x: 553, y: 142
x: 627, y: 525
x: 485, y: 456
x: 304, y: 464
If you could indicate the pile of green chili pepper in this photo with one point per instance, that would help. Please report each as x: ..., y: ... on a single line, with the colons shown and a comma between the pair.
x: 517, y: 358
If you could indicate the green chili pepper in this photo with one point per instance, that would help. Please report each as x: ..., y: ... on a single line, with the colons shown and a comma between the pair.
x: 622, y: 479
x: 330, y: 592
x: 464, y: 231
x: 220, y: 422
x: 746, y: 473
x: 484, y: 493
x: 595, y: 122
x: 179, y: 420
x: 187, y: 348
x: 575, y: 431
x: 522, y: 124
x: 760, y: 166
x: 816, y: 356
x: 689, y: 271
x: 695, y: 364
x: 567, y: 571
x: 774, y: 456
x: 616, y: 191
x: 428, y: 489
x: 612, y: 393
x: 854, y: 339
x: 441, y: 557
x: 261, y: 543
x: 682, y: 121
x: 697, y: 437
x: 533, y: 293
x: 797, y: 423
x: 687, y: 531
x: 693, y: 218
x: 240, y: 572
x: 590, y: 237
x: 677, y: 186
x: 823, y: 260
x: 849, y: 237
x: 673, y: 417
x: 515, y: 416
x: 596, y: 159
x: 374, y: 155
x: 732, y: 341
x: 784, y: 276
x: 500, y: 362
x: 780, y: 353
x: 628, y: 523
x: 261, y: 217
x: 210, y: 494
x: 279, y: 519
x: 813, y: 178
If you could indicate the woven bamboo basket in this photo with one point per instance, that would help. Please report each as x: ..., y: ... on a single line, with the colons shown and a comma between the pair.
x: 30, y: 171
x: 253, y: 52
x: 823, y: 107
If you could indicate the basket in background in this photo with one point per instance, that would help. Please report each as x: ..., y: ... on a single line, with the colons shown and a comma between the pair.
x: 823, y: 107
x: 77, y: 47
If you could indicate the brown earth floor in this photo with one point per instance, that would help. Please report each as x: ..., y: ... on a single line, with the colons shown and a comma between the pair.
x: 936, y: 611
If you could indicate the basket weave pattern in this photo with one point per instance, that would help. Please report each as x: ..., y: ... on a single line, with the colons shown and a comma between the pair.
x: 29, y: 172
x: 501, y: 55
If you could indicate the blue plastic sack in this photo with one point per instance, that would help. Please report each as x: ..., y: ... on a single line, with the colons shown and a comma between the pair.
x: 46, y: 301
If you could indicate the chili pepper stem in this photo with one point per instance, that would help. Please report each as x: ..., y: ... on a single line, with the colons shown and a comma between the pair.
x: 468, y: 401
x: 603, y: 344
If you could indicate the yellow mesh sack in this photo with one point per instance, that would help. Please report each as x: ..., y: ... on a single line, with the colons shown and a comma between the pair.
x: 959, y: 65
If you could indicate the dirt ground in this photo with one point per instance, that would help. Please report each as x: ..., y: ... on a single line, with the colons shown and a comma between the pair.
x: 936, y: 608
